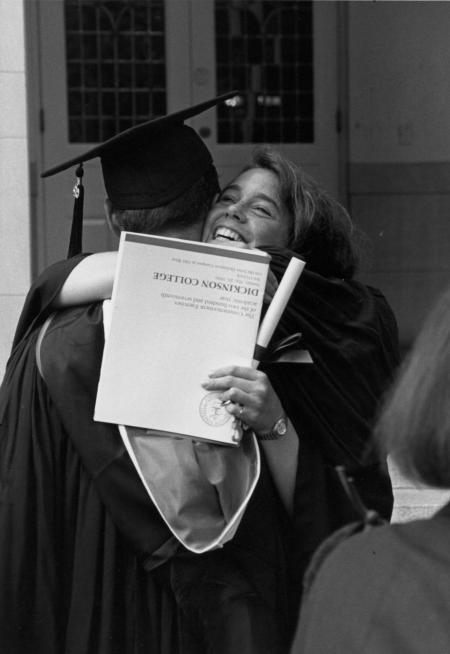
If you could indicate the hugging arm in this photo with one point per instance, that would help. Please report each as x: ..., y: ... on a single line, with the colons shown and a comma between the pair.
x: 90, y: 281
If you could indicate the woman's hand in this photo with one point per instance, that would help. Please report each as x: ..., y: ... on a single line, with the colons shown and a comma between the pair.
x: 247, y: 395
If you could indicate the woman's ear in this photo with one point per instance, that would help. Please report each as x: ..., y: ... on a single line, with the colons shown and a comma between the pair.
x: 111, y: 217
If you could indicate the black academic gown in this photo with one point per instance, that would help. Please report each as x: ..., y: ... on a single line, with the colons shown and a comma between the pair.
x: 69, y: 581
x: 351, y: 334
x: 79, y: 534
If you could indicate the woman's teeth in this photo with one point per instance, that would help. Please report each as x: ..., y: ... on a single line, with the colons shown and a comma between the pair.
x: 227, y: 234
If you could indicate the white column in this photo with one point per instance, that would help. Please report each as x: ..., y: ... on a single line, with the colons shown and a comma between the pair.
x: 14, y: 185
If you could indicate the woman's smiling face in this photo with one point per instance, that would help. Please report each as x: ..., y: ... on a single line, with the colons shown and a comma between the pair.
x: 249, y: 212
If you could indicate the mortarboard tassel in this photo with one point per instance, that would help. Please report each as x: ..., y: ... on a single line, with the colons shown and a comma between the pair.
x: 367, y: 516
x: 76, y: 234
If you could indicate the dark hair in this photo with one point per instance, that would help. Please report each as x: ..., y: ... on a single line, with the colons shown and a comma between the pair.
x: 322, y: 231
x: 189, y: 208
x: 414, y: 423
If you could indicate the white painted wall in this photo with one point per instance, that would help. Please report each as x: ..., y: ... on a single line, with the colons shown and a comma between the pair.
x: 14, y: 187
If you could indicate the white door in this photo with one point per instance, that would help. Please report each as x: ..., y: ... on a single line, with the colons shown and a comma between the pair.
x: 104, y: 66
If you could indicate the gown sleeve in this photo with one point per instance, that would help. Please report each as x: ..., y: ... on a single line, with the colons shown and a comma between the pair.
x: 350, y: 333
x: 70, y: 581
x: 40, y: 297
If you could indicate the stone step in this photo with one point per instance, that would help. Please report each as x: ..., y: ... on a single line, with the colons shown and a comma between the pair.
x: 413, y: 501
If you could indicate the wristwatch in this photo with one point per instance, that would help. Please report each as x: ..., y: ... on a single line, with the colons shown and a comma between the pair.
x: 277, y: 431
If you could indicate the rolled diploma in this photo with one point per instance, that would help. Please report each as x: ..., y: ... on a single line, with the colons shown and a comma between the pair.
x: 279, y: 302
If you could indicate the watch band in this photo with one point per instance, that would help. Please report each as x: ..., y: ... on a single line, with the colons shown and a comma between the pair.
x: 278, y: 430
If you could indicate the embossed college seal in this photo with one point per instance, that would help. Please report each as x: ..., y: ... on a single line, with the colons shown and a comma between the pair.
x: 212, y: 410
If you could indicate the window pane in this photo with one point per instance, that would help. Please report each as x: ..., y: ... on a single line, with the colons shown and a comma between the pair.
x: 265, y: 49
x: 115, y: 61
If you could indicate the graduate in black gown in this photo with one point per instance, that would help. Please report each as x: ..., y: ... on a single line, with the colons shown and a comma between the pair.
x: 83, y: 552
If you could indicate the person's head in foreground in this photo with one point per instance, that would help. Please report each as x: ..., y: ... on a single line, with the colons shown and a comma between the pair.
x: 414, y: 426
x: 273, y: 202
x: 385, y: 589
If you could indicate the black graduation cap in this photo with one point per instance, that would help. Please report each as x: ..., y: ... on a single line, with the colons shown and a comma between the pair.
x: 146, y: 166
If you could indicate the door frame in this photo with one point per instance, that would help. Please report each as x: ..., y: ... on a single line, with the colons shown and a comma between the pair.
x: 35, y: 128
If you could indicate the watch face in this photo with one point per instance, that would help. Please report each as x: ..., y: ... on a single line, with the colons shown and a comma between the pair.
x: 281, y: 427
